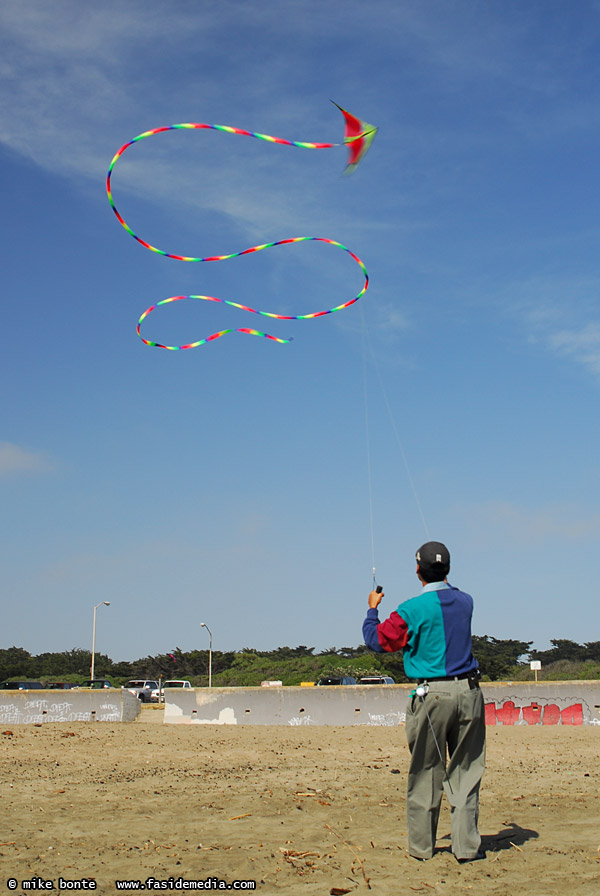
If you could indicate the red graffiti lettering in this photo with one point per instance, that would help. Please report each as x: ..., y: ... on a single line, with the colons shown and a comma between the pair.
x: 572, y: 715
x: 551, y: 714
x: 534, y: 714
x: 490, y: 713
x: 508, y: 713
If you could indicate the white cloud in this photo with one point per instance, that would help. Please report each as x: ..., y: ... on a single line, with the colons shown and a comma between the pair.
x: 525, y: 525
x: 547, y: 306
x: 76, y: 78
x: 581, y: 345
x: 14, y: 459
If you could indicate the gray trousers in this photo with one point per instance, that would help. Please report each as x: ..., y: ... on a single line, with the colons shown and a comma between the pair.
x: 457, y: 716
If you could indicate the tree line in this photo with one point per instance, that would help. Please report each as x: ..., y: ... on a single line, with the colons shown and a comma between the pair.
x: 498, y: 660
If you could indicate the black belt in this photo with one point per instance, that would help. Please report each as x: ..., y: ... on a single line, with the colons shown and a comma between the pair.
x: 473, y: 677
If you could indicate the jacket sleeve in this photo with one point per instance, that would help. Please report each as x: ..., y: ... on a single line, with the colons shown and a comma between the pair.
x: 387, y: 636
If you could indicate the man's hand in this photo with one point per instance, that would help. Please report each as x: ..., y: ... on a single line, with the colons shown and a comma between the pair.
x: 375, y: 599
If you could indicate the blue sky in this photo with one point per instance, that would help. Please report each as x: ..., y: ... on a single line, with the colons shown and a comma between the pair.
x: 230, y: 484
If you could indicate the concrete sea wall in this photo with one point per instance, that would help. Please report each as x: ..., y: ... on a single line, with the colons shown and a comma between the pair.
x: 544, y: 703
x: 40, y: 706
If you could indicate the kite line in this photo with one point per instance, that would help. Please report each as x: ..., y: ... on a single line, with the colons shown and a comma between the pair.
x: 367, y: 348
x: 358, y: 137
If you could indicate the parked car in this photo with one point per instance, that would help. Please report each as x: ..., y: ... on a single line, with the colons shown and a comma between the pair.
x: 142, y: 688
x: 22, y: 686
x: 333, y: 680
x: 97, y: 684
x: 157, y: 695
x: 376, y: 679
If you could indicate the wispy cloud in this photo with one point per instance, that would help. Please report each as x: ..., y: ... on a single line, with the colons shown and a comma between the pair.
x: 14, y: 459
x: 527, y: 525
x: 559, y: 312
x: 581, y: 345
x: 76, y: 76
x: 73, y: 89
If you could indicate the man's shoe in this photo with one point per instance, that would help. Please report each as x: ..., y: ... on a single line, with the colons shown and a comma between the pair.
x: 476, y: 858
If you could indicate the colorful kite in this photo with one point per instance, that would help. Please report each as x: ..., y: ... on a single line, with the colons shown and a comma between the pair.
x: 358, y: 136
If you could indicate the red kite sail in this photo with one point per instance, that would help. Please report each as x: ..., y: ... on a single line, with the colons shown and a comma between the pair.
x: 358, y: 137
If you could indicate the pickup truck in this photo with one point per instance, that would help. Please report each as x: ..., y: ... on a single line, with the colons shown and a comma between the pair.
x: 142, y: 688
x: 158, y: 696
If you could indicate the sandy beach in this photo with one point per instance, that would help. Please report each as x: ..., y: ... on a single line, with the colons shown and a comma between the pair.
x: 317, y: 808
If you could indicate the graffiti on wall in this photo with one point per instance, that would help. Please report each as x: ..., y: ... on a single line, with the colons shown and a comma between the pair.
x: 509, y: 713
x: 38, y: 711
x: 388, y: 719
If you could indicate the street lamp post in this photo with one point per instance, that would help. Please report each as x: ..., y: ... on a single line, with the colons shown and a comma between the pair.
x: 105, y: 603
x: 204, y: 625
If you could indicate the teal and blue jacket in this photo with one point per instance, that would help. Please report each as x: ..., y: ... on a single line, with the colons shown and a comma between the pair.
x: 433, y: 629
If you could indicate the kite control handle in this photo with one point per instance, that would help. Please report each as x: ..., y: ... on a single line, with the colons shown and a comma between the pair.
x: 379, y: 589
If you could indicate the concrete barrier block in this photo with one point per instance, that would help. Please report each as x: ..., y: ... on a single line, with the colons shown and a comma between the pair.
x: 522, y: 703
x: 294, y: 706
x: 86, y: 705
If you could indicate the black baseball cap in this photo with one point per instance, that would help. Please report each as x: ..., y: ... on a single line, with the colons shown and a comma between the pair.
x: 433, y: 558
